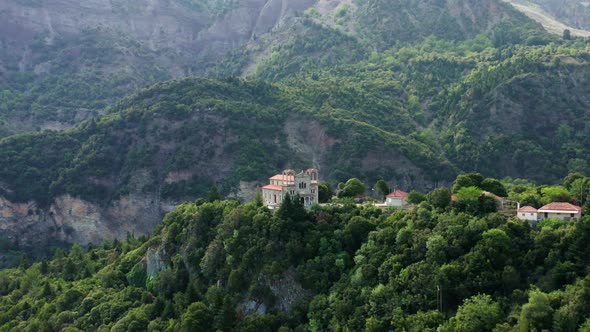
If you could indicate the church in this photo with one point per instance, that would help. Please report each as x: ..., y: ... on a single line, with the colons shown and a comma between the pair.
x: 303, y: 184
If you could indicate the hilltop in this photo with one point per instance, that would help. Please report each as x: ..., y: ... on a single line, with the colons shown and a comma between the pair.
x: 223, y: 266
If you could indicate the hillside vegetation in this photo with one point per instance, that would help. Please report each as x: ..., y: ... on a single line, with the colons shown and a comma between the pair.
x: 222, y: 266
x: 208, y: 132
x: 411, y: 92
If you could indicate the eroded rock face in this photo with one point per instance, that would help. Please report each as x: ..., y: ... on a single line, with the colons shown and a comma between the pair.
x: 72, y: 220
x: 155, y: 24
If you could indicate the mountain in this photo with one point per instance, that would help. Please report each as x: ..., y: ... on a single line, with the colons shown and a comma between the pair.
x: 467, y: 87
x: 62, y: 62
x: 174, y: 141
x: 556, y: 16
x: 575, y: 13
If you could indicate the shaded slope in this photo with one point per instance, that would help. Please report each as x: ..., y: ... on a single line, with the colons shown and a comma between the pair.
x: 535, y: 109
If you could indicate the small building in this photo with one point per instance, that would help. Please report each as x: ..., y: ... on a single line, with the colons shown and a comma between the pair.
x: 398, y: 199
x: 303, y: 184
x: 560, y: 210
x: 527, y: 213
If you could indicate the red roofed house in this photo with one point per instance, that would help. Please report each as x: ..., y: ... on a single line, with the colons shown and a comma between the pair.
x: 304, y: 184
x: 397, y: 199
x: 527, y: 213
x: 563, y: 211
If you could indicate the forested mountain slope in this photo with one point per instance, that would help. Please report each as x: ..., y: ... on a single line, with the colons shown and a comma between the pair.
x: 222, y: 266
x: 63, y: 61
x: 176, y: 139
x: 343, y: 86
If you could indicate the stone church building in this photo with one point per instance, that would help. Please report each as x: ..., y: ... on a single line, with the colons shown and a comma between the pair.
x: 304, y: 184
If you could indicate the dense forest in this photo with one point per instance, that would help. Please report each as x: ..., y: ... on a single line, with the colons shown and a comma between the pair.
x: 213, y: 265
x: 361, y: 90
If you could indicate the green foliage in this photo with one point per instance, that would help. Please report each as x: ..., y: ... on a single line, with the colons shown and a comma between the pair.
x: 357, y: 267
x: 415, y: 197
x: 382, y: 187
x: 494, y: 186
x: 468, y: 180
x: 214, y: 195
x: 439, y: 198
x: 197, y: 317
x: 478, y: 313
x: 325, y: 192
x: 537, y: 313
x: 353, y: 188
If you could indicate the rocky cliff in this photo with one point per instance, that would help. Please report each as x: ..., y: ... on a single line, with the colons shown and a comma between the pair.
x: 63, y: 61
x: 73, y: 220
x: 188, y: 32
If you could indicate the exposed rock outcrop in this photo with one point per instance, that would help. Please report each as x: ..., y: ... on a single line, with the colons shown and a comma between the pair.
x: 72, y: 220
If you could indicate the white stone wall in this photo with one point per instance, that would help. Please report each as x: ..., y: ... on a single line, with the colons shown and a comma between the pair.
x: 528, y: 216
x: 562, y: 216
x: 396, y: 202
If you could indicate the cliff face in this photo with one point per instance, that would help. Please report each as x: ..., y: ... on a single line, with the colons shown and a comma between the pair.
x: 575, y: 13
x: 64, y: 61
x: 188, y: 33
x: 73, y: 220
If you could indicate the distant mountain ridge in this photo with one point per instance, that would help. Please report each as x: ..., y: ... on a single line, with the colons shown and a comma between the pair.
x: 63, y: 61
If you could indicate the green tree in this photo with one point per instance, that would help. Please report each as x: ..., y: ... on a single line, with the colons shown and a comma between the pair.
x: 478, y: 313
x: 537, y: 314
x: 494, y: 186
x: 325, y: 192
x: 353, y: 188
x: 415, y: 197
x: 258, y: 200
x: 214, y: 195
x: 468, y: 199
x: 570, y: 178
x: 439, y: 198
x: 554, y: 194
x: 567, y: 34
x: 579, y: 190
x: 197, y: 317
x: 467, y: 180
x: 382, y: 188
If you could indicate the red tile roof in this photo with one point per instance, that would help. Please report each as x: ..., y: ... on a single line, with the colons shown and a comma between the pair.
x: 273, y: 187
x: 281, y: 177
x: 560, y: 207
x: 527, y: 209
x: 398, y: 194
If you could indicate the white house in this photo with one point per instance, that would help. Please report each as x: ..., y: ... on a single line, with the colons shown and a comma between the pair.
x: 304, y: 184
x: 397, y: 199
x: 563, y: 211
x: 527, y: 213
